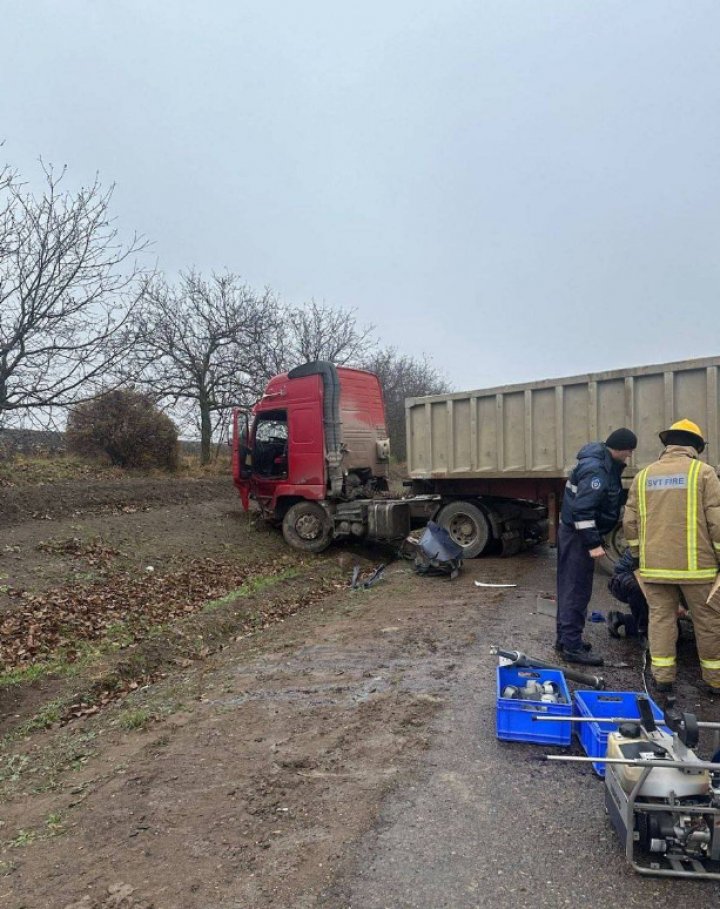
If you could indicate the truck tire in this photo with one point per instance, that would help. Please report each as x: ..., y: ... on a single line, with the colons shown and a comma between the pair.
x: 615, y: 547
x: 467, y: 526
x: 307, y: 527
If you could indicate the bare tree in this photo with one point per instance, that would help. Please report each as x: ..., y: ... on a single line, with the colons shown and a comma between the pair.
x: 204, y: 345
x: 402, y: 376
x: 315, y: 331
x: 67, y: 287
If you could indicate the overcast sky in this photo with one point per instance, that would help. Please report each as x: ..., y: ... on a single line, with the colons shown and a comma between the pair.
x: 520, y: 188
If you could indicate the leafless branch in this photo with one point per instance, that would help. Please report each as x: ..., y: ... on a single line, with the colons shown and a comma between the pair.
x: 402, y: 376
x: 203, y: 345
x: 68, y: 285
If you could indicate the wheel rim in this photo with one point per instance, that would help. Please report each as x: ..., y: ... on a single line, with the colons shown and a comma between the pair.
x: 616, y: 544
x: 308, y: 527
x: 463, y: 529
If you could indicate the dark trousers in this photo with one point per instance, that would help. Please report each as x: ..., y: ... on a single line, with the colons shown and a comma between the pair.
x: 624, y: 587
x: 575, y: 569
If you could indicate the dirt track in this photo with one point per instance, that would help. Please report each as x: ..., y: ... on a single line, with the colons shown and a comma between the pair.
x: 342, y: 757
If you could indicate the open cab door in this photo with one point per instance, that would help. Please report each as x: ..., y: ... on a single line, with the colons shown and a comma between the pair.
x: 242, y: 456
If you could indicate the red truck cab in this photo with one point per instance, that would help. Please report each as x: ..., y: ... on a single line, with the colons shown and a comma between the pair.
x: 315, y: 440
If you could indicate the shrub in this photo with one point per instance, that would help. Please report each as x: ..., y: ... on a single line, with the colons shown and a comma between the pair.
x: 126, y: 427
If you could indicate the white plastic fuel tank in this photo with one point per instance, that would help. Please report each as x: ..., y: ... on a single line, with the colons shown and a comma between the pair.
x: 661, y: 782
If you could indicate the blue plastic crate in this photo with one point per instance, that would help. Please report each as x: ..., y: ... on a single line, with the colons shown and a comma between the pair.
x: 593, y: 736
x: 515, y: 717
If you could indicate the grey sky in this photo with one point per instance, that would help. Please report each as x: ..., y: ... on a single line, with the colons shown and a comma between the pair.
x: 520, y: 188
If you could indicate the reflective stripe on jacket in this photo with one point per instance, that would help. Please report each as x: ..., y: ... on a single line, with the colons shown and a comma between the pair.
x: 672, y: 519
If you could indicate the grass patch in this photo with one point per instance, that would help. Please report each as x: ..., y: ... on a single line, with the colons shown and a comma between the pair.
x: 24, y: 838
x: 46, y: 765
x: 59, y: 664
x: 12, y: 768
x: 53, y: 827
x: 49, y: 714
x: 254, y: 585
x: 22, y: 674
x: 25, y: 470
x: 137, y: 718
x: 54, y: 824
x: 219, y: 466
x: 29, y: 470
x: 118, y: 636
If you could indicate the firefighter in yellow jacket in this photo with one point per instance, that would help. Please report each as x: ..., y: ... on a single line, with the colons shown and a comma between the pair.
x: 672, y: 525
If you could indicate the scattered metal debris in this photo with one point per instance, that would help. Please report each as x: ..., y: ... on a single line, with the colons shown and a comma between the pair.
x: 377, y: 575
x: 484, y: 584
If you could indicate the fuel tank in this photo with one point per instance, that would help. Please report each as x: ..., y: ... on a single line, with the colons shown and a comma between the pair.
x: 663, y: 781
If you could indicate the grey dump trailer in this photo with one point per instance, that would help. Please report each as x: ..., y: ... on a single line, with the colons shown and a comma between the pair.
x: 498, y: 458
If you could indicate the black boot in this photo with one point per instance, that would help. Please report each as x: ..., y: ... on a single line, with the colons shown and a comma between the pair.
x: 664, y: 687
x: 586, y: 646
x: 582, y: 657
x: 616, y: 624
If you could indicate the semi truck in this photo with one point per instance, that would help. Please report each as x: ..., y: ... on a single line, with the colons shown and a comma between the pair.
x: 489, y: 466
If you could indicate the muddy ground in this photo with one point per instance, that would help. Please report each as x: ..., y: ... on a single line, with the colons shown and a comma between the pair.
x: 282, y: 741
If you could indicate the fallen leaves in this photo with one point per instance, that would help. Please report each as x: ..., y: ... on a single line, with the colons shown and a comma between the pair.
x: 121, y: 609
x: 94, y: 552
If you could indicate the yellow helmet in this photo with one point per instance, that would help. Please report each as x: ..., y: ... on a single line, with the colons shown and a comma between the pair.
x: 684, y: 432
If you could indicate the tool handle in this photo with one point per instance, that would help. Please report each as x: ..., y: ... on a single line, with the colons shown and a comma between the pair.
x: 515, y: 656
x: 520, y: 659
x: 594, y: 681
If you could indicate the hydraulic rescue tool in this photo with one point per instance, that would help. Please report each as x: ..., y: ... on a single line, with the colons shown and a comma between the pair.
x: 661, y: 798
x: 518, y: 658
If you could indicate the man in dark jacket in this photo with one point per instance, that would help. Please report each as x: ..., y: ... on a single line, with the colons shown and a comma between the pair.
x: 591, y: 508
x: 624, y: 586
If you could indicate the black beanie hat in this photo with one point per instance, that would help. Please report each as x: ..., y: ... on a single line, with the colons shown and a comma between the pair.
x: 622, y: 440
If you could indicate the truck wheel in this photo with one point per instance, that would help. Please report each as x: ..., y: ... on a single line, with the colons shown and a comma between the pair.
x: 615, y: 547
x: 307, y: 527
x: 467, y: 526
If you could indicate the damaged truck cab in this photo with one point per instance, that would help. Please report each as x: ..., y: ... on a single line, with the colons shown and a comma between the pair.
x: 313, y: 454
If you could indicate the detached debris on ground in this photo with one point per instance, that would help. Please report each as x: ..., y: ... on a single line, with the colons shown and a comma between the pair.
x: 487, y: 584
x: 437, y: 553
x: 363, y: 582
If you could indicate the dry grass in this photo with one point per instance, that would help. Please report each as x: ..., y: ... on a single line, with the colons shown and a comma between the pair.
x: 34, y: 470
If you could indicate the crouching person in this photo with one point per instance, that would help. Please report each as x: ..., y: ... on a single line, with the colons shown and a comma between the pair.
x: 624, y: 586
